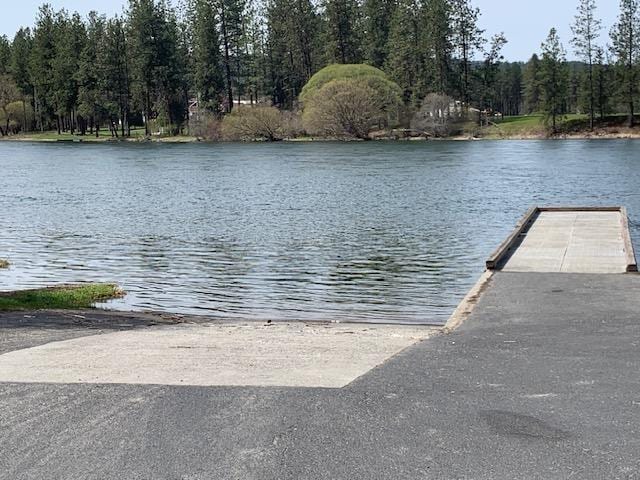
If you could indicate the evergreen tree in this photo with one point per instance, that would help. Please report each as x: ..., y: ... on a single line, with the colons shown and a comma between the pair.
x: 553, y: 78
x: 625, y: 37
x: 231, y: 17
x: 404, y: 63
x: 509, y: 88
x: 256, y: 60
x: 69, y: 38
x: 603, y: 80
x: 467, y: 39
x: 436, y: 18
x: 90, y: 95
x: 206, y: 61
x: 5, y: 55
x: 491, y: 65
x: 293, y: 48
x: 575, y: 99
x: 531, y: 79
x: 377, y: 24
x: 586, y: 31
x: 19, y: 68
x: 41, y: 64
x: 174, y: 104
x: 114, y: 71
x: 342, y: 37
x: 157, y: 69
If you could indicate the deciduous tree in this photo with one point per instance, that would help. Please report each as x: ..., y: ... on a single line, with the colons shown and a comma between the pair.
x: 9, y: 93
x: 344, y: 108
x: 438, y: 116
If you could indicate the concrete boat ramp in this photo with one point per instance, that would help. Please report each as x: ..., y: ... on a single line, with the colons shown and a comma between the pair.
x: 537, y: 376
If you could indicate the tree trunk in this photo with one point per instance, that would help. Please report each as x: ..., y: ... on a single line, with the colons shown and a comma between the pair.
x: 631, y: 74
x: 465, y: 80
x: 630, y: 99
x: 227, y: 61
x: 24, y: 114
x: 592, y: 113
x: 122, y: 121
x: 147, y: 129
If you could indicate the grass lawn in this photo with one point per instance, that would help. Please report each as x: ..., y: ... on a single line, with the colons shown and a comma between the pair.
x: 67, y: 297
x: 529, y: 125
x: 519, y: 125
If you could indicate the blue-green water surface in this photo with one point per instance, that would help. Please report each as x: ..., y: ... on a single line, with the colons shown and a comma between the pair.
x: 379, y: 232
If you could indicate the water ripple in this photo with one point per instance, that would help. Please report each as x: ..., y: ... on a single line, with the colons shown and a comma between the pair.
x: 370, y: 232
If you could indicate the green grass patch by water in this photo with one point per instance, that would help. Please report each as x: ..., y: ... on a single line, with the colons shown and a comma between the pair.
x: 66, y: 297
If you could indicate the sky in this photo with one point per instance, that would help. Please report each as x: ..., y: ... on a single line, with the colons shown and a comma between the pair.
x: 525, y: 23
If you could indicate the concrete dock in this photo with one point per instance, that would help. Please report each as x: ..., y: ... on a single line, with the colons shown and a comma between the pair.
x: 572, y: 242
x: 540, y: 379
x: 568, y: 240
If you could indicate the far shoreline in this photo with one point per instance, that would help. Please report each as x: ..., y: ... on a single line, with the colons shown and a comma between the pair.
x: 598, y: 134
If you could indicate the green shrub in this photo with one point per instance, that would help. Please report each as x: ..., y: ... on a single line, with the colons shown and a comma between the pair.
x: 374, y: 76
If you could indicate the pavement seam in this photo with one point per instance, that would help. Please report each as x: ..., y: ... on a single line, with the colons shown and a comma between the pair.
x: 564, y: 256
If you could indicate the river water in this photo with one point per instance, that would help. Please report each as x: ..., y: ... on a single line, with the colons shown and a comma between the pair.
x: 378, y: 232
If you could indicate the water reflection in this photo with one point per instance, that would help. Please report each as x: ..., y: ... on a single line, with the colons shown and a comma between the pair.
x: 370, y: 232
